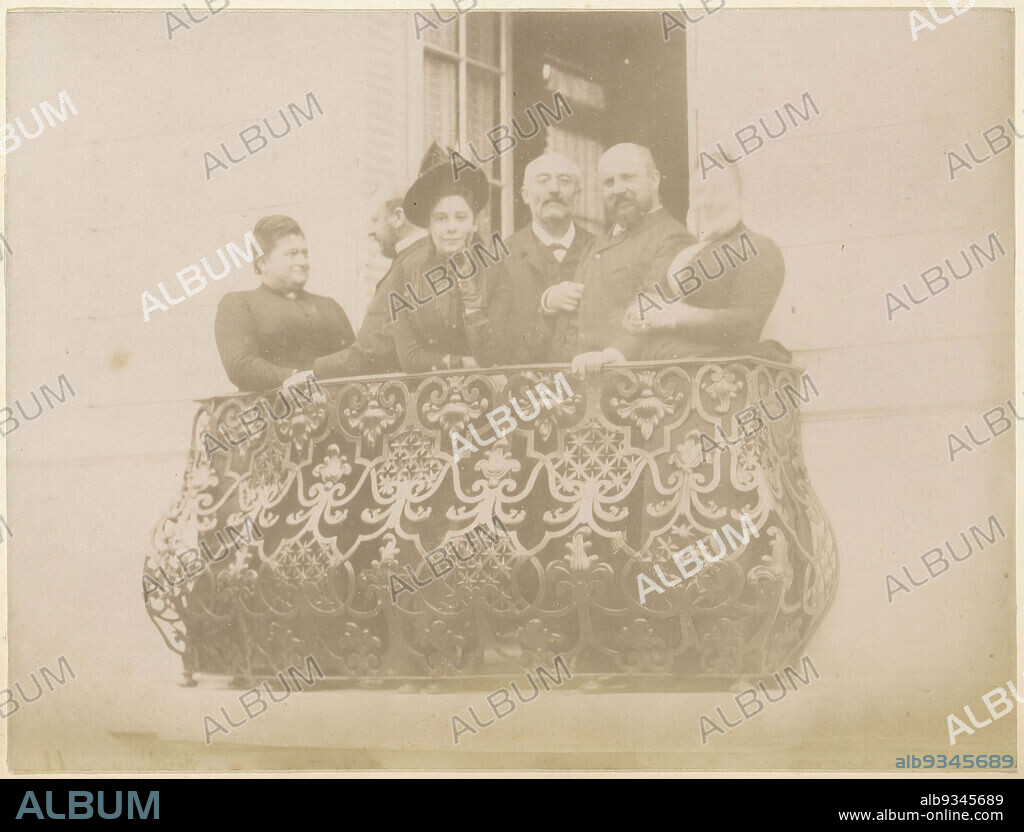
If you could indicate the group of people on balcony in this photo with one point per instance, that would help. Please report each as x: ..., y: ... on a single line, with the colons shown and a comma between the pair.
x: 551, y: 293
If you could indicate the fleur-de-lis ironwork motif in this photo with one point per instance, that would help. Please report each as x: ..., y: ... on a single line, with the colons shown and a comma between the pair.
x: 334, y: 467
x: 724, y: 387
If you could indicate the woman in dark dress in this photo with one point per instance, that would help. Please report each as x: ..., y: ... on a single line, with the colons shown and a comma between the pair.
x: 456, y: 306
x: 271, y: 336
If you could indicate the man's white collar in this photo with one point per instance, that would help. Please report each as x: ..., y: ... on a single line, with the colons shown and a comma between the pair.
x: 405, y: 242
x: 547, y: 240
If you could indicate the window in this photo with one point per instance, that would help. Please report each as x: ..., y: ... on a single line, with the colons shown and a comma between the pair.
x: 465, y: 94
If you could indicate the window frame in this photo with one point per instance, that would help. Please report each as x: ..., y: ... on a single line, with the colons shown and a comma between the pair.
x: 503, y: 73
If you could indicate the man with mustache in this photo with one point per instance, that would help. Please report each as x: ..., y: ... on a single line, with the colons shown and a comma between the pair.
x: 374, y: 353
x: 632, y: 254
x: 717, y: 294
x: 545, y: 256
x: 272, y: 335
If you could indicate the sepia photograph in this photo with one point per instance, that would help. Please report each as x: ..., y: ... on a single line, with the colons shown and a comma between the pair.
x: 371, y: 374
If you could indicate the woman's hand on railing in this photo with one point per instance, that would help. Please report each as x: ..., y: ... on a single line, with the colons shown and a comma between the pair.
x: 298, y: 376
x: 593, y: 362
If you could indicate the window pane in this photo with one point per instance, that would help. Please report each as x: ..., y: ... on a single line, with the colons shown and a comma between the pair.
x: 440, y: 102
x: 489, y: 219
x: 482, y: 38
x: 483, y: 114
x: 585, y: 151
x: 445, y: 35
x: 494, y: 209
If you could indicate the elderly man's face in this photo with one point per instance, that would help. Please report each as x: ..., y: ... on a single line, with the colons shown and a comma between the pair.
x: 714, y: 207
x: 286, y: 267
x: 550, y: 189
x: 628, y: 185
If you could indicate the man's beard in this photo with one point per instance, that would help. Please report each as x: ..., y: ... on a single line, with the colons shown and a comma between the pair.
x: 553, y: 209
x: 386, y: 245
x: 625, y: 210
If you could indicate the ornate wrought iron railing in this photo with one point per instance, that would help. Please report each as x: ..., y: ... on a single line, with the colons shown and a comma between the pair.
x: 358, y: 487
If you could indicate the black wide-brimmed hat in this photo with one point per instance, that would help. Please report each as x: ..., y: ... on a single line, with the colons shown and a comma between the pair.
x: 437, y: 180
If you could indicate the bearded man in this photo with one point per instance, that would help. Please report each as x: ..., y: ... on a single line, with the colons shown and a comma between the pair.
x: 373, y: 352
x: 631, y: 255
x: 546, y: 255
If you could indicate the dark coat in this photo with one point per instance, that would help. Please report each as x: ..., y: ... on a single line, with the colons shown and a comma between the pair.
x: 740, y: 271
x: 613, y: 272
x: 263, y: 336
x: 374, y: 351
x: 438, y: 325
x: 533, y: 269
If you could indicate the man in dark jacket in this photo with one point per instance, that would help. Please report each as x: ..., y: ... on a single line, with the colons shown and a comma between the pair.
x: 374, y: 353
x: 268, y: 335
x: 632, y: 254
x: 546, y: 254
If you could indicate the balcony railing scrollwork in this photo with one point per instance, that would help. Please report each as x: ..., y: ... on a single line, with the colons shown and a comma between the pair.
x: 608, y: 483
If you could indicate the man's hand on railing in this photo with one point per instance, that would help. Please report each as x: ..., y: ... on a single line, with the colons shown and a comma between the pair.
x: 593, y: 362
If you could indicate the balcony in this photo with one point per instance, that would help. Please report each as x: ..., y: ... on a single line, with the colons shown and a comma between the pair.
x: 351, y: 490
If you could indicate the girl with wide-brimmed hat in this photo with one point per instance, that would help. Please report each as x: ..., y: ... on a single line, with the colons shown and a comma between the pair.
x: 455, y: 306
